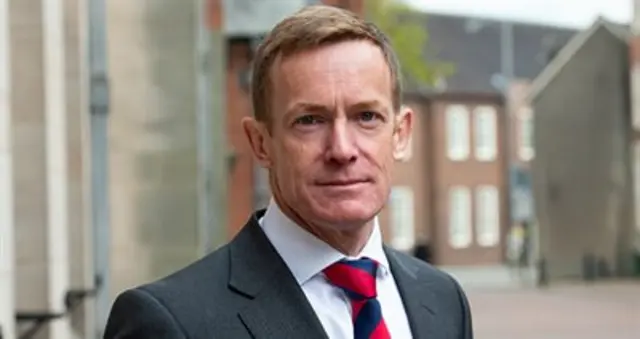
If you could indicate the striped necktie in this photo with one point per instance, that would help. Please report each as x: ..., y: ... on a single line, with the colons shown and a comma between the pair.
x: 357, y: 278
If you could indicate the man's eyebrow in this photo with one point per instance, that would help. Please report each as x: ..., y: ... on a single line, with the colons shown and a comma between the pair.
x: 367, y: 104
x: 307, y: 106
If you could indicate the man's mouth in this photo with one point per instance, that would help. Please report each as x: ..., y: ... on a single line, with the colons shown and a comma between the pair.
x: 346, y: 182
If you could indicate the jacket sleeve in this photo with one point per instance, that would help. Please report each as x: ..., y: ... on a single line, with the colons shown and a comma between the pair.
x: 467, y: 323
x: 138, y: 314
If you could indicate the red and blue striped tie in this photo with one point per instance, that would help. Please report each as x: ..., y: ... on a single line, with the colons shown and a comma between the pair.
x: 357, y: 278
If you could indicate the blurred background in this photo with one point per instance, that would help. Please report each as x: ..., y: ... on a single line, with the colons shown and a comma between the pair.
x: 122, y: 157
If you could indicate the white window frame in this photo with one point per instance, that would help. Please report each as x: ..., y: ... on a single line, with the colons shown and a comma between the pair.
x: 486, y: 133
x: 487, y: 208
x: 402, y: 218
x: 460, y: 217
x: 457, y: 132
x: 526, y: 149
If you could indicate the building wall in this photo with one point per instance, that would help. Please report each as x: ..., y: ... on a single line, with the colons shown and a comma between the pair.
x: 152, y: 132
x: 580, y: 173
x: 77, y: 109
x: 413, y: 174
x: 469, y: 173
x: 40, y: 169
x: 241, y: 180
x: 7, y: 225
x: 429, y: 174
x: 29, y: 154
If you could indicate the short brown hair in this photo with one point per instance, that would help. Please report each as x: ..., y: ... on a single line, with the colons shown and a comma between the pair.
x: 312, y: 27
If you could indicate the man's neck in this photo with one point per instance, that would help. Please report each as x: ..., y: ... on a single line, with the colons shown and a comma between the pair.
x: 349, y: 239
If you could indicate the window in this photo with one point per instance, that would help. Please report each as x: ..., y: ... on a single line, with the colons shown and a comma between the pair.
x: 487, y: 216
x: 457, y: 129
x: 402, y: 226
x: 526, y: 149
x: 485, y: 133
x: 459, y: 217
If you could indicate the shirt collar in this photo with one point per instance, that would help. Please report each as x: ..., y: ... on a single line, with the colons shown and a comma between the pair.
x: 306, y: 255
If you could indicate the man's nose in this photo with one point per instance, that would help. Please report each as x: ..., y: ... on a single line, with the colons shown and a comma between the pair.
x: 341, y: 146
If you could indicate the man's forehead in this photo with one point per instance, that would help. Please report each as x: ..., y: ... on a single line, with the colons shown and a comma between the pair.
x: 345, y: 52
x: 340, y: 63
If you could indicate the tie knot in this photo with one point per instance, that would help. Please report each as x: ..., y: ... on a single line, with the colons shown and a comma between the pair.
x: 357, y: 278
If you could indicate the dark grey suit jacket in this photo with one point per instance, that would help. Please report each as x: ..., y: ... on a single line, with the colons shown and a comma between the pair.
x: 245, y: 290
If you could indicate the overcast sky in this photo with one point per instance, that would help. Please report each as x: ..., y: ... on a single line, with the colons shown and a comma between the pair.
x: 572, y: 13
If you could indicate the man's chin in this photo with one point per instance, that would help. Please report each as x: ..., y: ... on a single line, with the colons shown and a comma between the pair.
x: 346, y: 212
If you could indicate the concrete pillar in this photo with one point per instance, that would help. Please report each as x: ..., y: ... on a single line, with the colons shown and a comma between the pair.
x: 39, y: 160
x: 635, y: 108
x: 77, y: 115
x: 29, y: 178
x: 128, y: 75
x: 56, y: 164
x: 7, y: 307
x: 152, y: 139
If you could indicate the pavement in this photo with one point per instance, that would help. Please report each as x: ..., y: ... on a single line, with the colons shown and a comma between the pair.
x: 498, y: 276
x: 603, y: 310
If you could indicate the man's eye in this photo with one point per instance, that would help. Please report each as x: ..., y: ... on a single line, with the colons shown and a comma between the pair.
x: 368, y: 116
x: 308, y: 120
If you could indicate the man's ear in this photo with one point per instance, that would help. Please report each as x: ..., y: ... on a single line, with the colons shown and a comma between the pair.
x: 402, y: 134
x: 259, y: 140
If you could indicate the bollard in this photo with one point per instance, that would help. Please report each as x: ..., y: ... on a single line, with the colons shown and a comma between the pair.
x: 589, y: 267
x: 543, y: 274
x: 603, y: 270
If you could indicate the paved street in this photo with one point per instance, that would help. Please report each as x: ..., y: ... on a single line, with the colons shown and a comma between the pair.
x: 602, y: 311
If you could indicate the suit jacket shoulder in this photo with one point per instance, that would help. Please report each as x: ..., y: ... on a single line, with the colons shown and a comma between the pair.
x: 179, y: 305
x: 241, y: 290
x: 436, y: 304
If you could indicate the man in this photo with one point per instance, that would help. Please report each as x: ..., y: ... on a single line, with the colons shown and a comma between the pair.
x: 328, y: 126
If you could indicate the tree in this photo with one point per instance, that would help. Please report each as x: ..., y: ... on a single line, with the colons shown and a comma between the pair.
x: 409, y: 38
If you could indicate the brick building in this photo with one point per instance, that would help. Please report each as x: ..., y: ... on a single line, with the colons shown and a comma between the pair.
x: 454, y: 191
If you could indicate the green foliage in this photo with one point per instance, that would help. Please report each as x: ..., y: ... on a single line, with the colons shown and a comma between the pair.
x: 409, y: 39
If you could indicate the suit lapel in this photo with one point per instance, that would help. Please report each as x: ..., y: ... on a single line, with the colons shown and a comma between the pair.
x: 278, y: 307
x: 418, y: 298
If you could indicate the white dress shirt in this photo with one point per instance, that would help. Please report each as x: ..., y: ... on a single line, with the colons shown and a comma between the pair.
x: 307, y: 256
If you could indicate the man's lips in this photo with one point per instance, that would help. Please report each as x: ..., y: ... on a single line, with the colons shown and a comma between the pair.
x: 347, y: 182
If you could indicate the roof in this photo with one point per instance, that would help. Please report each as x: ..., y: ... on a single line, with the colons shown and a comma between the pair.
x: 570, y: 50
x: 473, y: 46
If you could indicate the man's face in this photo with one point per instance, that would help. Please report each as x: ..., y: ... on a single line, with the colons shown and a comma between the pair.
x: 333, y: 133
